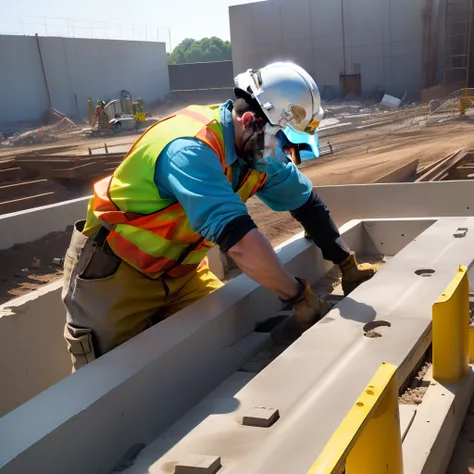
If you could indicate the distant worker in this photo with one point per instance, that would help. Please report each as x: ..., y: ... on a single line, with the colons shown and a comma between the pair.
x: 91, y: 110
x: 139, y: 256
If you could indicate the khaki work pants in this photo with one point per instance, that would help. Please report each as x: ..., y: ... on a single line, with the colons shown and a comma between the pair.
x: 109, y: 302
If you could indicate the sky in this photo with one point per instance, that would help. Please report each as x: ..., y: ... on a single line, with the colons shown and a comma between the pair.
x: 145, y: 19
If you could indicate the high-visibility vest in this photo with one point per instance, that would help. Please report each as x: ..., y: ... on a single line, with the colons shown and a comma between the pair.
x: 151, y: 233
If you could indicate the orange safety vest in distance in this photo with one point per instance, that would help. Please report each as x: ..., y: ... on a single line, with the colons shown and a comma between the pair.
x: 150, y: 233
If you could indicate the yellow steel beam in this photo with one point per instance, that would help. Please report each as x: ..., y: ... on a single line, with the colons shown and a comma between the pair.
x: 369, y: 436
x: 450, y: 330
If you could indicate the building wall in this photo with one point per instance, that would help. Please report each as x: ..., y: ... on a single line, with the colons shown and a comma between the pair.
x: 22, y: 91
x: 76, y: 69
x: 381, y: 37
x: 209, y: 75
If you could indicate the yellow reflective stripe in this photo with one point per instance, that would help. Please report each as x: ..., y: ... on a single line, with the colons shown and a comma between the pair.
x: 251, y: 185
x: 195, y: 257
x: 152, y: 243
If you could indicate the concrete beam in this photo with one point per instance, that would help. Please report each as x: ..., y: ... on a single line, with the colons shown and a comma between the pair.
x: 431, y: 439
x: 135, y: 392
x: 33, y: 224
x: 33, y: 353
x: 404, y: 173
x: 315, y: 382
x: 399, y: 200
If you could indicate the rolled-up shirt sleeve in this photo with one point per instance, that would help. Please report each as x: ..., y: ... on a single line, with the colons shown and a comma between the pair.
x: 190, y: 172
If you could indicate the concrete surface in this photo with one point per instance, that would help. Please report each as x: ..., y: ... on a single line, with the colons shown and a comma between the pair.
x: 315, y: 381
x: 381, y: 39
x: 76, y: 69
x: 33, y: 353
x: 398, y: 200
x: 430, y: 442
x: 138, y: 390
x: 404, y: 173
x: 33, y: 224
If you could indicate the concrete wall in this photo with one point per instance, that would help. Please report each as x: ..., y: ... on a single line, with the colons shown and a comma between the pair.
x: 192, y: 76
x: 22, y: 90
x: 76, y: 68
x: 381, y: 37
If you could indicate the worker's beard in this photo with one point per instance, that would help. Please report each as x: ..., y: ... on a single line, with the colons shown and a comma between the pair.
x: 253, y: 146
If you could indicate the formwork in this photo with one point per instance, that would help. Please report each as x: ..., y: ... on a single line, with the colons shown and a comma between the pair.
x: 220, y: 383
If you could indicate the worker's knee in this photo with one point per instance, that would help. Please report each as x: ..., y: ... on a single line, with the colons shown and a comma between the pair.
x: 80, y: 345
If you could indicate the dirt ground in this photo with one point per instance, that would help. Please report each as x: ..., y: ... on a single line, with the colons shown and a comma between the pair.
x: 372, y: 154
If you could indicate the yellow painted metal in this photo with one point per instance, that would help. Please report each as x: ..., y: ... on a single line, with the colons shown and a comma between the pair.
x: 465, y: 100
x: 450, y: 330
x: 471, y: 345
x: 369, y: 436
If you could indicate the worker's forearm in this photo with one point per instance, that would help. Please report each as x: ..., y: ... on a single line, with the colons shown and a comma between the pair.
x: 257, y: 259
x: 316, y: 220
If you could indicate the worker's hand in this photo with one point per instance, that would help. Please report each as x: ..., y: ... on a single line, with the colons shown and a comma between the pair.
x: 308, y: 307
x: 353, y: 273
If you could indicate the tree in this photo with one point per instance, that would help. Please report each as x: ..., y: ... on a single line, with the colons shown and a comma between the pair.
x: 203, y: 50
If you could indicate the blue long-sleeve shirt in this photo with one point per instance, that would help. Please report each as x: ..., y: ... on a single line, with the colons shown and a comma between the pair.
x: 190, y: 172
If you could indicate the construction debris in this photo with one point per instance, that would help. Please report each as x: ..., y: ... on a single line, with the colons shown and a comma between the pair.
x: 390, y: 102
x: 40, y: 135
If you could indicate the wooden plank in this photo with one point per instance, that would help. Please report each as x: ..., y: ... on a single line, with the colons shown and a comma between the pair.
x: 10, y: 174
x: 442, y: 167
x: 10, y: 191
x: 77, y: 171
x: 26, y: 202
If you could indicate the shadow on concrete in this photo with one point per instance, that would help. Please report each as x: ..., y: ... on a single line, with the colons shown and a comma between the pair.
x: 356, y: 311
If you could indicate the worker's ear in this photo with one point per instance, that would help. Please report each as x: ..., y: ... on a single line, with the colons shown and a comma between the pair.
x: 247, y: 118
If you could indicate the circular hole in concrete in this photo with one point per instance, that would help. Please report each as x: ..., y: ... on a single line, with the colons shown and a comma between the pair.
x: 373, y: 329
x: 424, y: 272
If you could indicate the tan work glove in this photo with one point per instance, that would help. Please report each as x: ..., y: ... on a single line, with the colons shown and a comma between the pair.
x: 308, y: 308
x: 353, y: 273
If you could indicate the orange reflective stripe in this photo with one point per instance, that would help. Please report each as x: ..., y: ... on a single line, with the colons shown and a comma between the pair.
x: 102, y: 201
x: 206, y: 134
x: 209, y: 137
x: 153, y: 266
x: 195, y: 115
x: 137, y: 257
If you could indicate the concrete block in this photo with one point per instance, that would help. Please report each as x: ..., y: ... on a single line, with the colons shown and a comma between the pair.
x: 198, y: 464
x: 261, y: 417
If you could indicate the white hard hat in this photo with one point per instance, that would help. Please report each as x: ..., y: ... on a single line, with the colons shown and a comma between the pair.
x: 286, y: 93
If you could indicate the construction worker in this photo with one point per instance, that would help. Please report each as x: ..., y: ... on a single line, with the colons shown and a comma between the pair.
x: 140, y: 255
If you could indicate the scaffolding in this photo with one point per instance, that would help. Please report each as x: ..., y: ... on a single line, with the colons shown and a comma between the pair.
x: 458, y: 40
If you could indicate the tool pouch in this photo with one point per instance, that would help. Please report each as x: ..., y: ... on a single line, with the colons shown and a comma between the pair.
x: 79, y: 344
